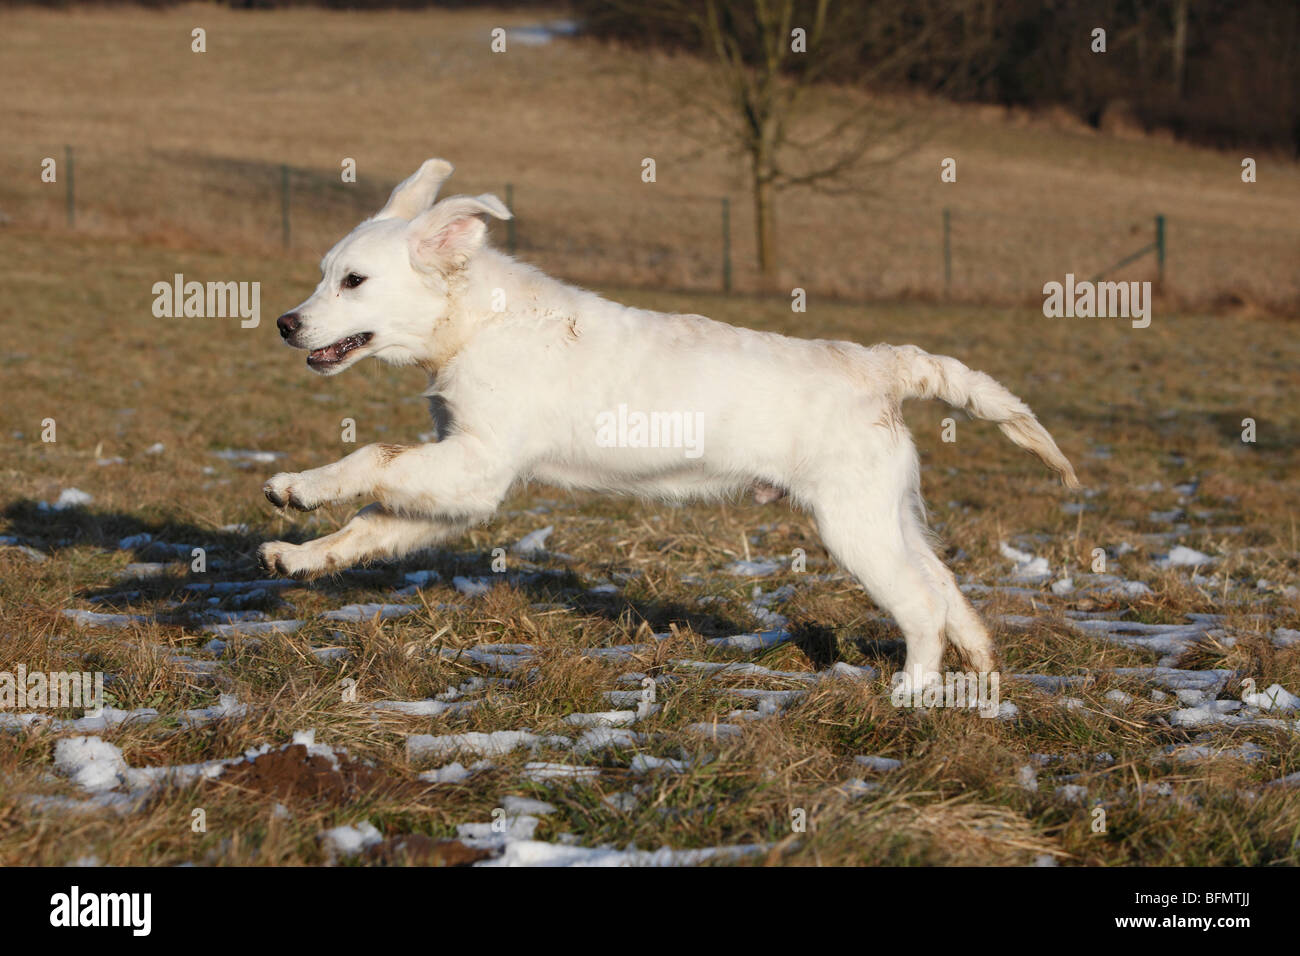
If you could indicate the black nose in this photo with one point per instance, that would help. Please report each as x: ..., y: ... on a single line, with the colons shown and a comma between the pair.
x: 288, y: 324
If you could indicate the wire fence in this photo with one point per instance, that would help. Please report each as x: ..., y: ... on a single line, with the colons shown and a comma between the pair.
x: 656, y: 238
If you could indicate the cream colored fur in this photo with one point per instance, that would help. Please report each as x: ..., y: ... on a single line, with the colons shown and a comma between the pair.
x: 524, y: 369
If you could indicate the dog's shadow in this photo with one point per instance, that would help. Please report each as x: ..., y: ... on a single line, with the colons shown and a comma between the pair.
x: 231, y: 555
x: 825, y: 647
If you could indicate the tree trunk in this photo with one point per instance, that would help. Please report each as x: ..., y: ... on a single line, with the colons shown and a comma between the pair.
x: 764, y: 217
x: 1180, y: 46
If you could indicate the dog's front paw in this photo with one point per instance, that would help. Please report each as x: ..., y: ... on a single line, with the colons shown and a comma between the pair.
x: 290, y: 490
x: 294, y: 560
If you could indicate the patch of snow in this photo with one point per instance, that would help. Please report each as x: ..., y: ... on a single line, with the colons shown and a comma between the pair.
x: 878, y: 764
x: 1276, y: 698
x: 533, y: 543
x: 492, y: 744
x: 423, y: 708
x: 605, y: 718
x: 471, y: 587
x: 349, y: 841
x: 1184, y: 557
x: 716, y: 731
x: 253, y: 628
x: 750, y: 642
x: 368, y: 612
x: 541, y: 771
x: 245, y: 454
x: 96, y: 619
x: 754, y: 569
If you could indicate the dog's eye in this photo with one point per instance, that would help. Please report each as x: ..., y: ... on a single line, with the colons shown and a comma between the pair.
x: 352, y: 280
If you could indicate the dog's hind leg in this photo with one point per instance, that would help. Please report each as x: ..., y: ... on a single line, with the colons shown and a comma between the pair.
x: 866, y: 537
x: 962, y: 626
x: 373, y: 533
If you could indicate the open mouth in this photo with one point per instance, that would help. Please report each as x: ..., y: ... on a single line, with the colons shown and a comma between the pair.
x: 332, y: 355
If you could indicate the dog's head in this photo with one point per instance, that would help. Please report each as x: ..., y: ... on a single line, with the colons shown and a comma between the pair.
x: 384, y: 287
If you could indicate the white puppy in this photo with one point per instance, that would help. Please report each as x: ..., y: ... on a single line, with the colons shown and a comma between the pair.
x: 533, y: 379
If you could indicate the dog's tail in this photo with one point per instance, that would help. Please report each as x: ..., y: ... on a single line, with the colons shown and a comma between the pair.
x: 922, y: 375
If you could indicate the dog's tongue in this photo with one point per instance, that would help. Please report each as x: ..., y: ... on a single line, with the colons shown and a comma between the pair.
x: 335, y: 352
x: 329, y: 353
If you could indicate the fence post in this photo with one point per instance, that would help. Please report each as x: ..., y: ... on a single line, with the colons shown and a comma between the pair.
x: 1160, y: 248
x: 284, y: 204
x: 726, y: 244
x: 510, y: 223
x: 947, y: 252
x: 68, y: 174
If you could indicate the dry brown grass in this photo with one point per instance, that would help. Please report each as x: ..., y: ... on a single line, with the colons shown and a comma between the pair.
x: 184, y: 147
x: 1165, y: 402
x: 179, y: 176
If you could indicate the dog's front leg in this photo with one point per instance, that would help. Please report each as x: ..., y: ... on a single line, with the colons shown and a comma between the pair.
x: 348, y: 478
x: 373, y: 533
x: 459, y: 477
x: 425, y: 494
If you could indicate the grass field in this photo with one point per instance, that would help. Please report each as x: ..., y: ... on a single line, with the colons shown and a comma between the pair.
x: 1139, y: 411
x: 182, y: 147
x: 1126, y: 685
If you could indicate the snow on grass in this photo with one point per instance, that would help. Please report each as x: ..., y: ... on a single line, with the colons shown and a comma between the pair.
x: 750, y: 642
x: 604, y: 718
x: 423, y: 708
x: 248, y: 455
x: 502, y: 657
x: 1275, y: 698
x: 108, y: 621
x: 350, y: 840
x: 471, y: 587
x: 1188, y: 753
x: 538, y: 853
x: 454, y: 772
x: 754, y: 569
x: 226, y: 707
x: 646, y: 763
x: 1163, y: 639
x: 1184, y: 557
x: 1173, y: 678
x: 355, y: 613
x: 543, y: 771
x: 493, y: 744
x: 716, y: 731
x: 68, y: 498
x: 253, y: 628
x: 533, y: 543
x: 1028, y: 567
x: 606, y: 738
x: 98, y: 766
x: 1285, y: 637
x: 422, y: 578
x: 878, y: 764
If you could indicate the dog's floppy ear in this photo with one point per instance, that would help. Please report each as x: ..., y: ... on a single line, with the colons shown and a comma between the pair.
x: 445, y: 237
x: 417, y: 193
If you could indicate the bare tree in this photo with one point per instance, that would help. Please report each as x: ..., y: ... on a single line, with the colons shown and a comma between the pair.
x: 781, y: 69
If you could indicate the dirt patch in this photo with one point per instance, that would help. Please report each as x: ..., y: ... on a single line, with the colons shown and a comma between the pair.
x: 293, y: 774
x: 420, y: 850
